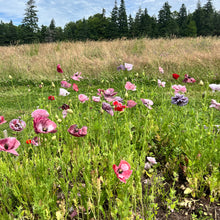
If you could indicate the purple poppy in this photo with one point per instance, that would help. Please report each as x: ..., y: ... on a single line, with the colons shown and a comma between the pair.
x: 17, y: 124
x: 9, y: 145
x: 44, y: 125
x: 107, y: 107
x: 73, y: 130
x: 121, y: 67
x: 179, y: 100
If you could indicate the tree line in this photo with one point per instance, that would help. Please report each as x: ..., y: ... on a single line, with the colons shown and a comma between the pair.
x: 204, y: 21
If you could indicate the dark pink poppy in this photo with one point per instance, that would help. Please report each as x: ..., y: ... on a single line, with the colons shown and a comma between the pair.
x: 73, y: 130
x: 65, y: 84
x: 35, y: 141
x: 131, y: 103
x: 75, y: 87
x: 188, y: 79
x: 122, y: 171
x: 77, y: 76
x: 44, y: 125
x: 9, y: 145
x: 59, y: 70
x: 17, y: 124
x: 2, y: 120
x: 40, y: 113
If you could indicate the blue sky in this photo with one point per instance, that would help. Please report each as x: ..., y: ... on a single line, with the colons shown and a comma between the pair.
x: 64, y: 11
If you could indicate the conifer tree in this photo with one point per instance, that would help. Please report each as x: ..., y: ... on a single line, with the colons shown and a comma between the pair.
x: 122, y: 20
x: 114, y: 22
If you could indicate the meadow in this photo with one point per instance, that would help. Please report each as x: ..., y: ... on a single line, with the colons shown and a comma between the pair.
x: 152, y: 158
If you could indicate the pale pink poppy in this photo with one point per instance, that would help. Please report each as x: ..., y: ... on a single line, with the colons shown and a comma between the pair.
x: 59, y: 70
x: 77, y: 76
x: 152, y: 160
x: 123, y: 171
x: 44, y: 125
x: 162, y: 84
x: 161, y: 70
x: 63, y: 92
x: 128, y: 66
x: 131, y: 103
x: 83, y: 98
x: 130, y: 86
x: 147, y: 103
x: 65, y: 84
x: 215, y: 87
x: 75, y: 87
x: 9, y: 145
x: 96, y: 98
x: 215, y: 104
x: 73, y: 130
x: 179, y: 88
x: 2, y: 120
x: 64, y: 113
x: 17, y: 124
x: 40, y: 113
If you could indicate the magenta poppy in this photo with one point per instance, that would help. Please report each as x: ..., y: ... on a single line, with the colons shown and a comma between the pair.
x: 73, y: 130
x: 9, y: 145
x: 44, y: 125
x: 2, y: 120
x: 65, y: 84
x: 188, y: 79
x: 59, y: 70
x: 122, y: 171
x: 75, y: 87
x: 40, y: 113
x: 17, y: 124
x: 77, y: 76
x: 175, y: 76
x: 131, y: 103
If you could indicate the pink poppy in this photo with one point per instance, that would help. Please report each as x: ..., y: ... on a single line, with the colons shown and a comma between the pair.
x: 122, y: 171
x: 152, y: 160
x: 147, y: 103
x: 162, y: 84
x: 59, y: 70
x: 128, y: 66
x: 100, y: 91
x: 2, y: 120
x: 73, y: 130
x: 65, y: 84
x: 179, y: 88
x: 96, y: 98
x: 215, y: 104
x: 83, y: 98
x: 75, y: 87
x: 44, y: 125
x: 161, y: 70
x: 130, y: 86
x: 35, y: 141
x: 40, y: 113
x: 107, y: 107
x: 188, y: 79
x: 77, y: 76
x: 9, y: 145
x: 131, y: 103
x: 17, y: 124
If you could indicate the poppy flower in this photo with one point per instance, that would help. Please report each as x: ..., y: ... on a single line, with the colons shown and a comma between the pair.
x: 59, y: 70
x: 147, y: 103
x: 51, y: 97
x: 77, y: 76
x: 28, y: 141
x: 179, y: 88
x: 215, y: 87
x: 175, y: 76
x: 83, y: 98
x: 130, y: 86
x: 152, y: 160
x: 73, y: 130
x: 121, y: 67
x: 131, y: 103
x: 96, y: 98
x: 118, y: 106
x: 161, y: 70
x: 179, y: 100
x: 65, y: 84
x: 17, y: 124
x: 65, y: 107
x: 63, y: 92
x: 40, y: 113
x: 107, y: 107
x: 162, y: 84
x: 44, y: 125
x: 215, y: 104
x: 188, y: 79
x: 9, y: 145
x: 128, y: 66
x: 2, y: 120
x: 35, y: 141
x: 100, y: 91
x: 122, y: 171
x: 75, y: 87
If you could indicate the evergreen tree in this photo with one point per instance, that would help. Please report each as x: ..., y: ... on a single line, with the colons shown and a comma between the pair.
x: 182, y: 20
x: 51, y: 32
x: 208, y: 27
x: 191, y: 29
x: 198, y: 17
x: 114, y: 22
x: 216, y: 23
x: 122, y: 20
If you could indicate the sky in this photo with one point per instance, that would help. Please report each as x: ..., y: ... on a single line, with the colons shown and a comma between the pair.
x: 64, y: 11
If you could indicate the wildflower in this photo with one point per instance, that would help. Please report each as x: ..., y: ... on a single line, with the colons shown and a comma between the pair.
x: 162, y: 84
x: 83, y: 98
x: 188, y: 79
x: 51, y: 97
x: 152, y: 160
x: 2, y: 120
x: 128, y: 66
x: 109, y: 94
x: 17, y: 124
x: 75, y: 87
x: 119, y: 99
x: 35, y: 141
x: 147, y: 166
x: 179, y: 88
x: 215, y: 104
x: 147, y: 103
x: 64, y: 113
x: 65, y: 84
x: 100, y: 91
x: 77, y: 76
x: 161, y: 70
x: 9, y: 145
x: 40, y: 113
x: 131, y: 103
x: 176, y: 76
x: 118, y: 106
x: 44, y: 125
x: 59, y: 70
x: 130, y: 86
x: 63, y: 92
x: 96, y: 99
x: 122, y: 171
x: 121, y: 67
x: 28, y: 141
x: 73, y: 130
x: 179, y: 99
x: 215, y: 87
x: 64, y: 107
x: 201, y: 83
x: 107, y: 107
